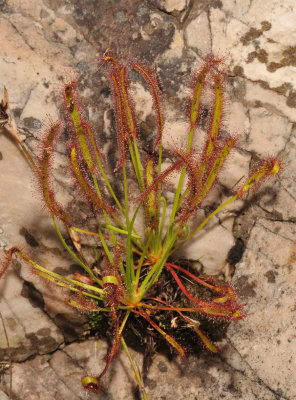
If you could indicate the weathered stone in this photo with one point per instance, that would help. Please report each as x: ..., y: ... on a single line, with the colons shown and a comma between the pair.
x: 269, y: 133
x: 172, y: 6
x: 229, y: 377
x: 270, y: 323
x: 24, y: 319
x: 210, y: 246
x: 198, y: 35
x: 3, y: 396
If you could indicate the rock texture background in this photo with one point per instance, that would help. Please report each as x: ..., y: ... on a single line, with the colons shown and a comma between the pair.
x: 43, y: 44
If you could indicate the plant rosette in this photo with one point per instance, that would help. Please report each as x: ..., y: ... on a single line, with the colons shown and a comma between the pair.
x: 126, y: 284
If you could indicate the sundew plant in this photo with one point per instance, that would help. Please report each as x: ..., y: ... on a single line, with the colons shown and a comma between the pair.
x: 124, y: 283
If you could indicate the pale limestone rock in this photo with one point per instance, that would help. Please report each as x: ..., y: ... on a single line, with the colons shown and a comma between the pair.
x: 144, y: 104
x: 46, y: 384
x: 175, y: 134
x: 288, y: 175
x: 172, y: 6
x: 21, y: 205
x: 236, y: 9
x: 268, y: 132
x: 3, y: 396
x: 176, y: 47
x: 269, y: 99
x: 43, y: 105
x: 24, y: 320
x: 64, y: 30
x: 226, y: 34
x: 281, y: 202
x: 144, y: 35
x: 210, y: 246
x: 257, y: 71
x: 22, y: 186
x: 266, y: 276
x: 198, y: 35
x: 30, y: 8
x: 194, y: 376
x: 246, y: 35
x: 156, y: 20
x: 91, y: 355
x: 279, y: 15
x: 17, y: 182
x: 236, y: 120
x: 236, y: 169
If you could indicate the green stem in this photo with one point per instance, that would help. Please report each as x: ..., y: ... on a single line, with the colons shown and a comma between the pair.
x: 105, y: 247
x: 130, y: 270
x: 138, y: 161
x: 125, y: 195
x: 104, y: 211
x: 159, y: 173
x: 64, y: 278
x: 134, y: 162
x: 72, y: 254
x: 109, y: 186
x: 162, y: 218
x: 61, y: 283
x: 143, y: 255
x: 93, y: 142
x: 176, y: 204
x: 124, y: 322
x: 135, y: 369
x: 155, y: 271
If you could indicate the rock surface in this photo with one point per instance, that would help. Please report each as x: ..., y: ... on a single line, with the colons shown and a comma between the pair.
x: 45, y: 43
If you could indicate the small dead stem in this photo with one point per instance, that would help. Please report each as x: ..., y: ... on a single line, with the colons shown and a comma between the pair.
x: 9, y: 355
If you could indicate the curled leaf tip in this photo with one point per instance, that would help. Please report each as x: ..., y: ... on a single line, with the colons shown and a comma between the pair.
x: 276, y: 168
x: 91, y: 383
x: 269, y: 167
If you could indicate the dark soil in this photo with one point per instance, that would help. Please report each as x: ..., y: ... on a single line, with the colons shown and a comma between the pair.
x: 142, y: 337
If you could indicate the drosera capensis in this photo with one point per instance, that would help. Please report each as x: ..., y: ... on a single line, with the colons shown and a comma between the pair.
x: 125, y: 282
